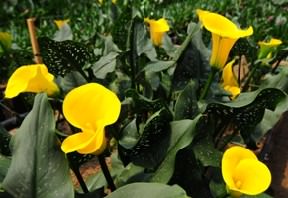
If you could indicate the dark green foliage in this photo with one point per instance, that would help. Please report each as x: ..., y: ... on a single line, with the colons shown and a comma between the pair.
x: 244, y: 117
x: 5, y: 138
x: 63, y: 56
x: 153, y: 143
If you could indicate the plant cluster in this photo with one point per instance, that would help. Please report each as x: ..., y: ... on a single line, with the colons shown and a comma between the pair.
x: 178, y: 108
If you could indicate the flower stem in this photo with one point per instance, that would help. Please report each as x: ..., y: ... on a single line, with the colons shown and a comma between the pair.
x: 208, y: 83
x: 78, y: 175
x: 83, y: 74
x: 106, y: 172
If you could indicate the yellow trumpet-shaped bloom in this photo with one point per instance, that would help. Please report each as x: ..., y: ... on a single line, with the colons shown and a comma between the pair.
x: 31, y: 78
x: 230, y: 83
x: 157, y: 30
x: 61, y: 23
x: 266, y: 48
x: 90, y: 108
x: 243, y: 173
x: 224, y: 35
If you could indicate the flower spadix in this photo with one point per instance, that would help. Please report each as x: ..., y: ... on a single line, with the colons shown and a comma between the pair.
x: 224, y: 35
x: 230, y: 83
x: 243, y: 173
x: 267, y: 47
x: 90, y: 108
x: 157, y: 29
x: 60, y: 23
x: 31, y: 78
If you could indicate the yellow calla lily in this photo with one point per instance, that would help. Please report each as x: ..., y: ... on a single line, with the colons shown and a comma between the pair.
x: 230, y: 83
x: 266, y: 48
x: 31, y: 78
x: 224, y: 35
x: 243, y: 173
x: 61, y: 23
x: 90, y: 108
x: 157, y: 30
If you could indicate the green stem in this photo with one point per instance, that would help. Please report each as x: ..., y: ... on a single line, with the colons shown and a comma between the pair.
x: 208, y: 83
x: 250, y: 76
x: 106, y: 172
x: 83, y: 74
x: 78, y: 175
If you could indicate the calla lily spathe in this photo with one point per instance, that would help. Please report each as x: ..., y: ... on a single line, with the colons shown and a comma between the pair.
x: 157, y: 29
x: 266, y: 48
x: 224, y: 35
x: 243, y: 173
x: 61, y: 23
x: 31, y: 78
x: 230, y: 83
x: 90, y: 108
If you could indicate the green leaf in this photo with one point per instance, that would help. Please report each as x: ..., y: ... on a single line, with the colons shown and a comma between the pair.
x: 218, y: 189
x: 192, y: 64
x: 279, y: 80
x: 246, y: 111
x: 71, y: 80
x: 182, y: 134
x: 152, y: 190
x: 270, y: 118
x: 206, y: 153
x: 186, y: 106
x: 63, y: 56
x: 5, y: 40
x: 144, y: 44
x: 280, y: 2
x: 39, y: 168
x: 4, y: 165
x: 157, y: 66
x: 106, y: 64
x: 5, y: 138
x: 122, y: 27
x: 153, y: 143
x: 262, y: 195
x: 143, y: 104
x: 130, y: 135
x: 129, y: 174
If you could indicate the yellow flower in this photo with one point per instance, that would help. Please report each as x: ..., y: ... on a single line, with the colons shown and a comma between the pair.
x: 114, y: 1
x: 157, y: 30
x: 230, y: 83
x: 5, y: 40
x: 224, y: 35
x: 243, y: 173
x: 31, y: 78
x: 90, y: 108
x: 61, y: 23
x: 266, y: 48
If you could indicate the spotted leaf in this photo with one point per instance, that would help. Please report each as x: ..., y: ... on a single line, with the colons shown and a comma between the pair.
x: 63, y: 56
x: 246, y: 112
x: 153, y: 143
